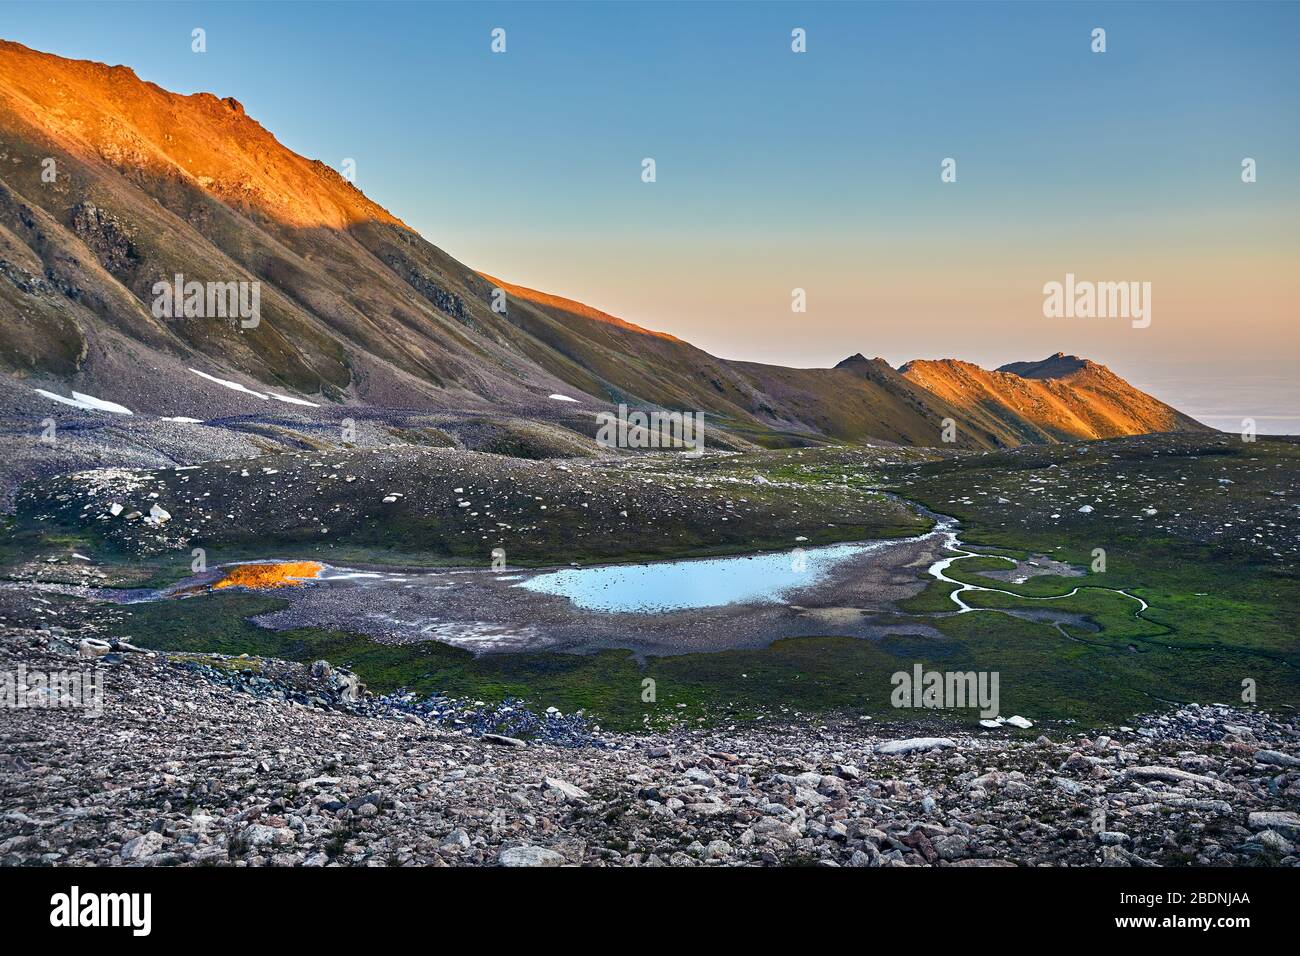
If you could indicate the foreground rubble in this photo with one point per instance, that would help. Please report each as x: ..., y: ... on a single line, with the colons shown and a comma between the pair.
x: 218, y: 761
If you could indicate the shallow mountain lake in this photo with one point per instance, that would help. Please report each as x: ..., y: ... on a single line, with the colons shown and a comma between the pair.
x: 696, y: 582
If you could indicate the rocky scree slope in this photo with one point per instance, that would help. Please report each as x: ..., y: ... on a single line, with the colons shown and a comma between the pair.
x: 185, y: 768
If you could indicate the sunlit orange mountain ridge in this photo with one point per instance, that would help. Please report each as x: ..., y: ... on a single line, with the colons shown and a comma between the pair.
x: 1060, y: 398
x: 562, y: 304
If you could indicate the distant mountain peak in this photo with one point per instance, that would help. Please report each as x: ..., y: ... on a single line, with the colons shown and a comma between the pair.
x: 1054, y: 366
x: 858, y: 360
x: 945, y: 363
x: 1058, y: 398
x: 868, y: 369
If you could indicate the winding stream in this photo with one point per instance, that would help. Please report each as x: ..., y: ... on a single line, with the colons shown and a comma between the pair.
x: 947, y: 526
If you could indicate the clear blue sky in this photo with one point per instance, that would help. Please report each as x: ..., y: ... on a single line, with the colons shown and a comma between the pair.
x: 779, y: 170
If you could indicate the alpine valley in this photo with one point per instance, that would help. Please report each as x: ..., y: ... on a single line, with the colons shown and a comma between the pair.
x: 333, y: 523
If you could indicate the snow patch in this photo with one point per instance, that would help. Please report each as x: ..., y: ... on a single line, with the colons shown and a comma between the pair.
x: 235, y: 385
x: 101, y: 405
x: 293, y: 401
x: 87, y: 403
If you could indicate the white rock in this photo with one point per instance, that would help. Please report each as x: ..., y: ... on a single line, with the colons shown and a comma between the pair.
x: 717, y: 849
x: 530, y: 856
x: 913, y: 744
x: 1175, y: 776
x: 569, y: 791
x: 257, y: 834
x: 145, y: 845
x: 1284, y: 821
x: 93, y: 647
x: 1276, y: 757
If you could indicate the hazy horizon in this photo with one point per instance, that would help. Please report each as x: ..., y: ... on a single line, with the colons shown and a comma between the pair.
x: 817, y: 170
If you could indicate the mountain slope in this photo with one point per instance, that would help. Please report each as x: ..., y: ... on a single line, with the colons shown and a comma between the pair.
x: 151, y: 184
x: 1061, y: 398
x: 767, y: 403
x: 356, y: 309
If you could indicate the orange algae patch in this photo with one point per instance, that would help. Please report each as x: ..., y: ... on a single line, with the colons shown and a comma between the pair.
x: 285, y: 574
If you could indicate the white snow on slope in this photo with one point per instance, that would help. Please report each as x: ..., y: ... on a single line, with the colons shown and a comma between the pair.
x: 101, y: 404
x: 293, y: 401
x: 66, y: 401
x: 562, y: 398
x: 235, y: 385
x: 88, y: 403
x: 248, y: 391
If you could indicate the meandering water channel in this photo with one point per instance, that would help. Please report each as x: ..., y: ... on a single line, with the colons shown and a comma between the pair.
x: 947, y: 526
